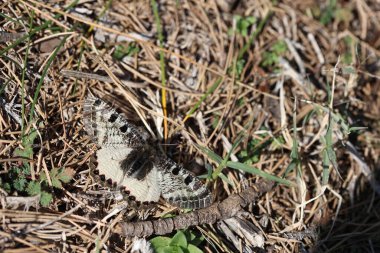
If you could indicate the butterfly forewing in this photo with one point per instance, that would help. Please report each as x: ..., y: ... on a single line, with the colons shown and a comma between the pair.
x: 107, y: 127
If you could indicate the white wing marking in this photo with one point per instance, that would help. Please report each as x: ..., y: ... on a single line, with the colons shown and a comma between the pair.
x: 109, y: 159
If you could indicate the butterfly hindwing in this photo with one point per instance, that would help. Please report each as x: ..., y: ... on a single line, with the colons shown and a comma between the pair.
x: 179, y: 187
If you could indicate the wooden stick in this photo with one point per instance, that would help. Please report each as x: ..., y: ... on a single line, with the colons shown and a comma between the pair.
x: 218, y: 211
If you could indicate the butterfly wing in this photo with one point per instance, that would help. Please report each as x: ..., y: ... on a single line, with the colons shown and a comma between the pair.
x: 179, y: 187
x: 110, y: 128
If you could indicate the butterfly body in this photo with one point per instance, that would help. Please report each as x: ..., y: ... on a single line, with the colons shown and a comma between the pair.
x: 127, y: 160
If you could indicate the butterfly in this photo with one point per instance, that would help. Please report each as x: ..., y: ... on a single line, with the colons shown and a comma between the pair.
x: 127, y: 160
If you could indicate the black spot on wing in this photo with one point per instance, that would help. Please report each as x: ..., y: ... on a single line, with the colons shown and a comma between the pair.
x: 97, y: 102
x: 124, y: 128
x: 176, y: 170
x: 113, y: 117
x: 188, y: 179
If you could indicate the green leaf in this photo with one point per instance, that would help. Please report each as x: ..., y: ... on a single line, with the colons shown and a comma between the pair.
x: 7, y: 187
x: 20, y: 183
x: 54, y: 176
x: 27, y: 143
x: 279, y: 47
x: 46, y: 198
x: 249, y: 169
x: 168, y: 215
x: 179, y: 239
x: 160, y: 250
x: 204, y: 96
x: 240, y: 64
x: 354, y: 129
x: 33, y: 188
x: 121, y: 51
x: 332, y: 157
x: 58, y: 175
x: 56, y: 183
x: 160, y: 241
x: 172, y: 249
x: 224, y: 178
x: 192, y: 238
x: 66, y: 175
x: 194, y: 249
x: 271, y: 57
x: 210, y: 154
x: 43, y: 177
x: 292, y: 166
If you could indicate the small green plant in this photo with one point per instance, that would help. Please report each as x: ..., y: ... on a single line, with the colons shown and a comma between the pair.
x: 251, y: 154
x: 243, y: 24
x: 215, y: 120
x: 121, y: 51
x: 271, y: 57
x: 240, y: 64
x: 328, y: 13
x: 183, y: 241
x: 27, y: 143
x: 347, y: 56
x: 333, y: 11
x: 19, y: 179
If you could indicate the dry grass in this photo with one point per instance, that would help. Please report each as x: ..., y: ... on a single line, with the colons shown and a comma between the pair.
x: 219, y: 83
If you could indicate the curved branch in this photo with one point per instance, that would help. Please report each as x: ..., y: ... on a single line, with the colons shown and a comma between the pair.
x: 218, y: 211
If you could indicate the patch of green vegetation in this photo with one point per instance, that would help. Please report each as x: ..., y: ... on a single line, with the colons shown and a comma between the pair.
x: 225, y: 162
x: 331, y: 12
x: 121, y: 51
x: 347, y: 56
x: 19, y: 179
x: 19, y: 176
x: 27, y: 143
x: 270, y: 58
x: 215, y: 120
x: 327, y: 15
x: 251, y: 154
x: 240, y: 64
x: 243, y: 24
x: 240, y: 102
x: 183, y: 241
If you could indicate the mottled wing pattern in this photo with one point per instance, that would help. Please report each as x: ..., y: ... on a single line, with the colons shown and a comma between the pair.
x: 108, y: 127
x: 179, y: 187
x: 127, y: 161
